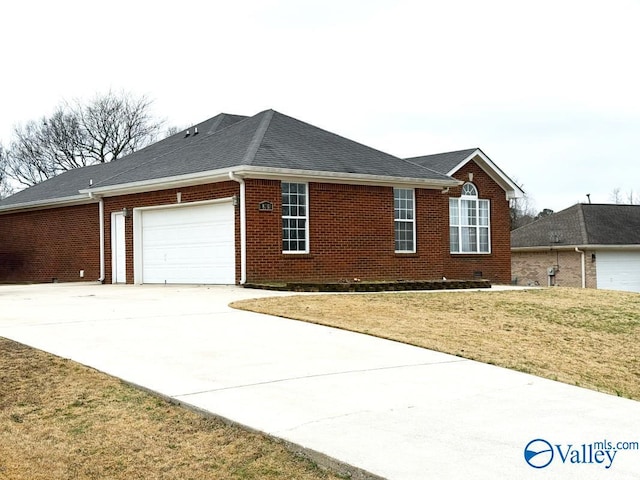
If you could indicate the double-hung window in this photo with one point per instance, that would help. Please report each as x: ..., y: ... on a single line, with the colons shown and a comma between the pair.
x: 295, y: 218
x: 404, y: 220
x: 469, y: 224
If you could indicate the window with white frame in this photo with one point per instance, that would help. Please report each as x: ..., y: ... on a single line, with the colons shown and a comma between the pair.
x: 469, y: 224
x: 295, y: 218
x: 404, y: 220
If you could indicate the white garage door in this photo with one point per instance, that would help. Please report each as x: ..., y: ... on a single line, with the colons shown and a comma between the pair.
x: 188, y: 244
x: 618, y: 270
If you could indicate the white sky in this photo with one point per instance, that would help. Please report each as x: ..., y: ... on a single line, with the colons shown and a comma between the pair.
x: 548, y: 89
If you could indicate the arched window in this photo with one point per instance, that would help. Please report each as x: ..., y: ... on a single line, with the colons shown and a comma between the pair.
x: 469, y: 222
x: 469, y: 190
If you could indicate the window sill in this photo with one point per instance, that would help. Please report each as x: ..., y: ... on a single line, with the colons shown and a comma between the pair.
x: 295, y: 255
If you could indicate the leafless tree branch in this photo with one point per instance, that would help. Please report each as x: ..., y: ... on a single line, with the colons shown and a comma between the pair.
x: 107, y: 128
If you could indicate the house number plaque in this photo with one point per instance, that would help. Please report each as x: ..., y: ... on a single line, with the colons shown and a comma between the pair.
x: 265, y: 206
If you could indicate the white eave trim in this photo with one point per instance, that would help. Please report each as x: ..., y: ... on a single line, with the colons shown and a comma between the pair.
x: 220, y: 175
x: 509, y: 186
x: 155, y: 184
x: 53, y: 203
x: 91, y: 195
x: 345, y: 178
x: 550, y: 248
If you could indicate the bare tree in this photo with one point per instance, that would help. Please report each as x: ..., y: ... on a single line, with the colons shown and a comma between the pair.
x: 5, y: 188
x: 630, y: 198
x: 521, y: 211
x: 615, y: 195
x: 107, y: 128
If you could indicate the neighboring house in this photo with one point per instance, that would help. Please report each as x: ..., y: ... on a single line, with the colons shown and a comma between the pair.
x: 266, y: 198
x: 586, y: 245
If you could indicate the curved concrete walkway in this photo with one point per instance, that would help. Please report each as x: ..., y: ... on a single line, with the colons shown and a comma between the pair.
x: 393, y: 410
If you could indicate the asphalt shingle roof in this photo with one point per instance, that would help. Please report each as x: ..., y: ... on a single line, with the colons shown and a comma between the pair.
x: 582, y: 224
x: 443, y: 162
x: 268, y: 139
x: 69, y: 183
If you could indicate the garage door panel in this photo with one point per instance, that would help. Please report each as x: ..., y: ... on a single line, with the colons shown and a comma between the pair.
x: 189, y: 244
x: 618, y: 271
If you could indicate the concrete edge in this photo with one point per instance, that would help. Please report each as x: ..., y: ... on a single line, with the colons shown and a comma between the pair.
x: 323, y: 461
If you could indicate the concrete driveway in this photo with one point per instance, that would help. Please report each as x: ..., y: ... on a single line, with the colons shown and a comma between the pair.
x: 393, y: 410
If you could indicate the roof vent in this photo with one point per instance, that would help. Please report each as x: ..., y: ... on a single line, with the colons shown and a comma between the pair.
x: 555, y: 237
x: 195, y: 130
x: 187, y: 134
x: 91, y: 182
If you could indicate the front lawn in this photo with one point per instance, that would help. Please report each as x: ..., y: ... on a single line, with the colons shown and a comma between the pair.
x: 60, y: 421
x: 589, y: 338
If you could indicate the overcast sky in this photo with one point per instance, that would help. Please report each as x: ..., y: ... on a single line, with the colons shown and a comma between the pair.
x: 548, y: 89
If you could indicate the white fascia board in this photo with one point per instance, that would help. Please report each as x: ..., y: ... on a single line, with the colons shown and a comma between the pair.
x: 199, y: 178
x: 343, y: 178
x: 551, y: 248
x: 45, y: 204
x: 247, y: 171
x: 509, y: 186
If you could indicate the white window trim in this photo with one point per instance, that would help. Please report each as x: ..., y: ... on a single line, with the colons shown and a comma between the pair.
x: 478, y: 227
x: 306, y: 224
x: 412, y: 221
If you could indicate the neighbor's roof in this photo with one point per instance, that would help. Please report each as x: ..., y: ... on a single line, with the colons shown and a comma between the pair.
x: 268, y: 143
x: 582, y: 225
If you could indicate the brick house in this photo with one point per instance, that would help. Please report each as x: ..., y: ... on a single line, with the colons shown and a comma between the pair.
x: 266, y: 198
x: 586, y: 245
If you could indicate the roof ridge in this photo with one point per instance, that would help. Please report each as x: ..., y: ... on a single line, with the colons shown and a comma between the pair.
x: 213, y: 130
x: 258, y: 136
x: 446, y: 153
x: 424, y: 168
x: 153, y: 159
x: 583, y: 224
x: 342, y: 137
x: 214, y: 125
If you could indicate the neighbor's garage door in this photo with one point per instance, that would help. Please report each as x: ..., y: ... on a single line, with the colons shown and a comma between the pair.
x: 618, y: 270
x: 189, y: 244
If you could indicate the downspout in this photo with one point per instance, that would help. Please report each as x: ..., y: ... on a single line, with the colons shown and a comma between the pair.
x: 584, y: 267
x: 243, y: 228
x: 101, y: 230
x: 101, y: 215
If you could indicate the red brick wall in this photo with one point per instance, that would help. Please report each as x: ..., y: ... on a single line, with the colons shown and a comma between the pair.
x: 351, y: 235
x: 495, y: 266
x: 162, y: 197
x: 50, y: 245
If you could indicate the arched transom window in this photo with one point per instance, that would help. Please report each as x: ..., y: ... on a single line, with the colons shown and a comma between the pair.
x: 469, y: 222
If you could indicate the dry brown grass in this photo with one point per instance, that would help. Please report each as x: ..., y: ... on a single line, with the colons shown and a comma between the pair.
x: 589, y: 338
x: 60, y: 420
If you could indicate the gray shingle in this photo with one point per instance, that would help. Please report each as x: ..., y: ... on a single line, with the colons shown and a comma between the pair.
x: 268, y: 139
x: 612, y: 224
x: 291, y: 143
x: 582, y: 224
x: 69, y: 183
x: 271, y: 139
x: 443, y: 162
